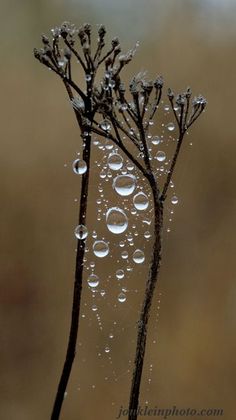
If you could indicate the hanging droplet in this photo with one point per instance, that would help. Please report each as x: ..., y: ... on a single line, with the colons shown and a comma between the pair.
x: 147, y: 234
x: 141, y: 201
x: 116, y: 220
x: 120, y: 274
x: 107, y: 349
x: 88, y: 77
x: 161, y: 156
x: 138, y: 256
x: 105, y: 125
x: 115, y: 161
x: 170, y: 126
x: 121, y: 297
x: 100, y: 249
x: 156, y: 140
x: 124, y: 185
x: 174, y: 200
x: 124, y: 255
x: 79, y: 166
x: 81, y: 232
x: 93, y: 280
x: 94, y: 308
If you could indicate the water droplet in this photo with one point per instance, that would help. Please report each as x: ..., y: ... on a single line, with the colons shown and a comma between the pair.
x: 124, y: 185
x: 115, y: 161
x: 81, y: 232
x: 147, y: 234
x: 107, y: 350
x: 141, y: 201
x: 112, y: 83
x: 138, y: 256
x: 111, y: 335
x: 120, y: 274
x: 93, y: 280
x: 100, y: 249
x: 161, y: 156
x: 116, y: 220
x: 122, y: 297
x: 88, y: 77
x: 170, y: 126
x: 105, y: 125
x: 123, y: 107
x: 156, y: 140
x: 174, y: 200
x: 79, y: 166
x: 94, y: 308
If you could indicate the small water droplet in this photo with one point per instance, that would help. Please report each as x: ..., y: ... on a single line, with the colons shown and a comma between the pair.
x: 94, y: 308
x: 141, y: 201
x: 161, y: 156
x: 138, y: 256
x: 107, y: 349
x: 174, y: 200
x: 79, y: 166
x: 124, y: 255
x: 105, y: 125
x: 88, y: 77
x: 122, y: 297
x: 156, y: 140
x: 116, y: 220
x: 170, y: 126
x: 93, y: 280
x: 120, y: 274
x: 81, y: 232
x: 100, y: 249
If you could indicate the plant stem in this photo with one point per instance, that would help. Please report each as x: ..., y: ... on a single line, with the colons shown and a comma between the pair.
x: 71, y: 347
x: 147, y: 302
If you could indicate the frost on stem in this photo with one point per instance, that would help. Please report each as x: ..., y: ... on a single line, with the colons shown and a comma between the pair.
x: 110, y: 109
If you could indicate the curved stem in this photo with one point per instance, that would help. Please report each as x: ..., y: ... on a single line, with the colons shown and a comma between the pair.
x: 71, y: 347
x: 147, y: 302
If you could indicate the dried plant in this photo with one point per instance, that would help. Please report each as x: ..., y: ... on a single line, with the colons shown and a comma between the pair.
x: 124, y: 116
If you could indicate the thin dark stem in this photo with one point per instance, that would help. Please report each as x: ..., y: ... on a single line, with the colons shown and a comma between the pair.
x: 147, y: 302
x: 71, y: 348
x: 172, y: 166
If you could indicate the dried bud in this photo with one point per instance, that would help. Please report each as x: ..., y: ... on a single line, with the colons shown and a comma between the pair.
x: 64, y: 30
x: 158, y: 83
x: 170, y: 94
x: 87, y: 28
x: 101, y: 32
x: 188, y: 93
x: 45, y: 39
x: 115, y: 42
x: 180, y: 100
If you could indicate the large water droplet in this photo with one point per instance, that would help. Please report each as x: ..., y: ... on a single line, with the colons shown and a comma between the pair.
x: 124, y: 184
x: 161, y: 156
x: 79, y: 166
x: 138, y: 256
x: 174, y: 199
x: 116, y: 220
x: 170, y: 126
x: 100, y: 249
x: 93, y: 280
x: 115, y: 161
x: 141, y: 201
x: 121, y: 297
x: 81, y: 232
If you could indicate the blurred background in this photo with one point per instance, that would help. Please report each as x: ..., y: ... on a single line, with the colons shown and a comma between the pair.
x: 190, y: 359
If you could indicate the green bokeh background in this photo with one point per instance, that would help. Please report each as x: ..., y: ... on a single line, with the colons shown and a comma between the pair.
x: 190, y: 43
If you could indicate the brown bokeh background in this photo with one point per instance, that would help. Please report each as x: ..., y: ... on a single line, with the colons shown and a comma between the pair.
x: 190, y: 43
